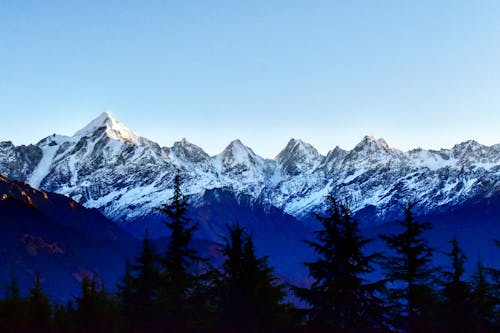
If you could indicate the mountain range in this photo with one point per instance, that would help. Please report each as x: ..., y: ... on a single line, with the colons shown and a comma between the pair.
x: 80, y: 204
x: 109, y: 167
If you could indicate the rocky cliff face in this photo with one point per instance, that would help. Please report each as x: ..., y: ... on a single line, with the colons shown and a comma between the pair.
x: 109, y: 167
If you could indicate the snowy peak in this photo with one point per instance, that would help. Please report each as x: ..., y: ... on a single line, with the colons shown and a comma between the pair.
x: 113, y: 128
x: 185, y: 146
x: 100, y: 168
x: 334, y: 158
x: 471, y: 152
x: 185, y: 151
x: 372, y: 150
x: 298, y: 156
x: 238, y: 158
x: 238, y: 152
x: 297, y: 147
x: 371, y: 144
x: 468, y: 148
x: 101, y: 121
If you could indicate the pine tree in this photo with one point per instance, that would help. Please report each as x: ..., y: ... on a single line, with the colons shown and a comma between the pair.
x: 38, y: 308
x: 456, y: 313
x: 179, y: 262
x: 126, y: 293
x: 139, y: 290
x: 485, y: 300
x: 410, y: 272
x: 250, y: 298
x: 64, y: 318
x: 13, y: 310
x: 341, y: 299
x: 97, y: 311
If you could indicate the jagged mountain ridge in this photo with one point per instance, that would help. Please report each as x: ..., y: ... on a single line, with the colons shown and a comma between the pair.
x: 109, y: 167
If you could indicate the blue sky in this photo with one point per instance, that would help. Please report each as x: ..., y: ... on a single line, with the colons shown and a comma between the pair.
x: 417, y: 73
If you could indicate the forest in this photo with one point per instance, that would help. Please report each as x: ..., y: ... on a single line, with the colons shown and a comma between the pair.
x: 174, y: 289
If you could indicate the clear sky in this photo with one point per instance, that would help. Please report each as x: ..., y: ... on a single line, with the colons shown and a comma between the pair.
x: 417, y: 73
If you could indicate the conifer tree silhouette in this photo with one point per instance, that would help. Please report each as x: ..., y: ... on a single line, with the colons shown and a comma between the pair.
x: 485, y: 300
x: 341, y: 299
x: 96, y: 311
x: 39, y: 309
x: 410, y: 271
x: 179, y: 262
x: 249, y: 295
x: 12, y: 309
x: 140, y: 288
x: 456, y: 308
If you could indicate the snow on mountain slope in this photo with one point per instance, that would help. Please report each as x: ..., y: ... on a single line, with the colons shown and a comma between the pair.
x: 114, y: 129
x: 43, y: 167
x: 237, y: 159
x: 239, y: 168
x: 107, y: 166
x: 298, y: 157
x: 18, y: 162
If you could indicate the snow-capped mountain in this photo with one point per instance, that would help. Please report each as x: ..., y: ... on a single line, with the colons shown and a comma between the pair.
x: 298, y: 157
x: 107, y: 166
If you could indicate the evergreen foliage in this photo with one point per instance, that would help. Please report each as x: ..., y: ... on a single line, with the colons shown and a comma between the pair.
x: 12, y: 310
x: 341, y: 299
x: 411, y: 275
x: 456, y: 307
x: 39, y: 310
x: 179, y: 263
x: 140, y: 288
x: 64, y: 318
x: 484, y: 299
x: 250, y: 299
x: 174, y: 293
x: 97, y: 311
